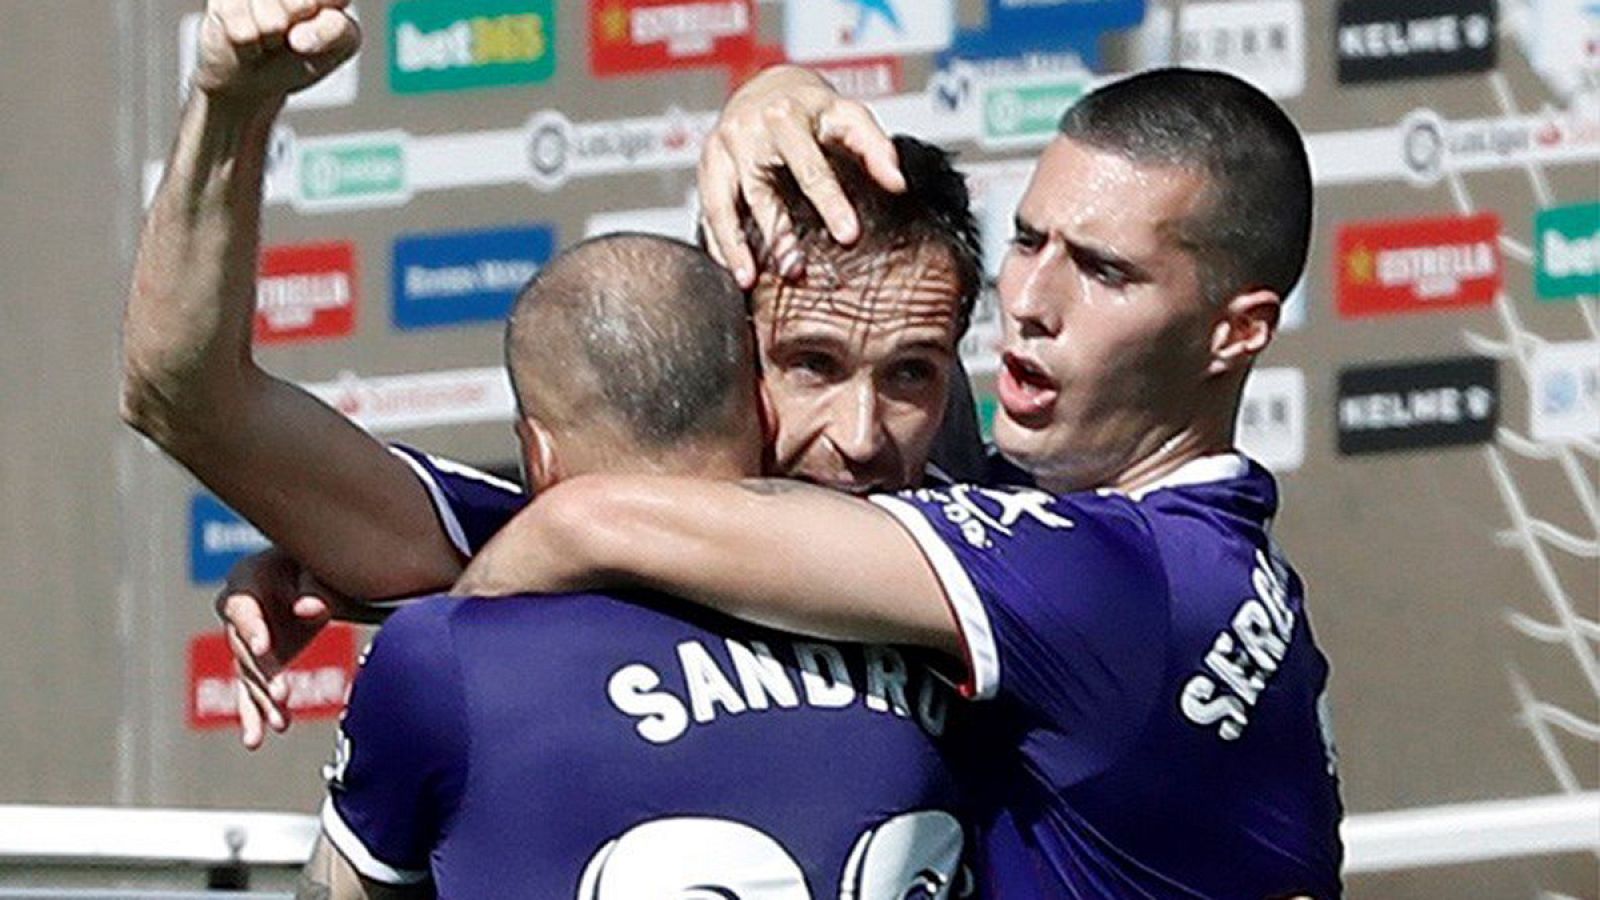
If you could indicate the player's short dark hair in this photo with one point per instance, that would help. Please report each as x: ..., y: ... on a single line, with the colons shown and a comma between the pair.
x: 652, y: 329
x: 1256, y: 225
x: 935, y: 210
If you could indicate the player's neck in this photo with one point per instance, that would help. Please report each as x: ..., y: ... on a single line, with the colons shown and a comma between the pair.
x: 715, y: 463
x: 1207, y: 433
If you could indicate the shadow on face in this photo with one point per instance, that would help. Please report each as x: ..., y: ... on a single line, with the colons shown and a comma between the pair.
x: 856, y: 356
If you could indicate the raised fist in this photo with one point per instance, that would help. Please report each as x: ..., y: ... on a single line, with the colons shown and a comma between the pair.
x: 264, y: 50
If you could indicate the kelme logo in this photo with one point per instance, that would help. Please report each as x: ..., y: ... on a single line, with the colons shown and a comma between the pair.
x: 1567, y: 253
x: 454, y: 45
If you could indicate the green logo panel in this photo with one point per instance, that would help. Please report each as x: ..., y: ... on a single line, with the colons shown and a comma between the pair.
x: 1567, y: 252
x: 352, y: 172
x: 1028, y: 111
x: 457, y: 45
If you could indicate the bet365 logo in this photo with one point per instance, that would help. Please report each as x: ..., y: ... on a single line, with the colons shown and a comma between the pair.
x: 1567, y: 252
x: 452, y: 45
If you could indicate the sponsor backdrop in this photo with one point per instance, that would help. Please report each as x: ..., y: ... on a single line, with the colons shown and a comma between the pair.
x: 1432, y: 407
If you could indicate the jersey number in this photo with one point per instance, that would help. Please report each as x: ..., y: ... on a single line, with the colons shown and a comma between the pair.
x: 914, y: 856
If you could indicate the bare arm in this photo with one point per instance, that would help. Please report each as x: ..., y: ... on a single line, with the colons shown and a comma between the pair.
x: 329, y: 876
x: 769, y: 551
x: 321, y: 488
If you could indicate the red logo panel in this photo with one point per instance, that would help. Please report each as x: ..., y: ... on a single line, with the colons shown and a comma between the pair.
x: 864, y: 79
x: 319, y: 679
x: 630, y: 37
x: 1418, y: 265
x: 306, y: 292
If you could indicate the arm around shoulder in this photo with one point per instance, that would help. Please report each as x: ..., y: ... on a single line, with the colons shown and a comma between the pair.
x: 770, y: 551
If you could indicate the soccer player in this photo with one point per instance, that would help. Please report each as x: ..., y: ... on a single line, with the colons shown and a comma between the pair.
x: 856, y: 354
x: 588, y: 746
x: 1152, y: 696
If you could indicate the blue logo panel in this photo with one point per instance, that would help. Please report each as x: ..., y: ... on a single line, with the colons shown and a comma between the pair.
x: 1039, y: 26
x: 218, y: 538
x: 459, y: 277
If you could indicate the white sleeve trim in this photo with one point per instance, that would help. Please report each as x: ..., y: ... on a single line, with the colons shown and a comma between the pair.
x: 977, y: 636
x: 441, y: 506
x: 340, y: 835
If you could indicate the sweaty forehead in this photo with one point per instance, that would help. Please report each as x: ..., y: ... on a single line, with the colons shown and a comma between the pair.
x: 864, y: 295
x: 1106, y: 198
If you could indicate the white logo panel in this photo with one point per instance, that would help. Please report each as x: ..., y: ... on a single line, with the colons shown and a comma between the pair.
x: 847, y: 29
x: 1272, y: 419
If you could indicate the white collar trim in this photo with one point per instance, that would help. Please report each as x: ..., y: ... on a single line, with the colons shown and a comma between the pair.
x: 1205, y: 470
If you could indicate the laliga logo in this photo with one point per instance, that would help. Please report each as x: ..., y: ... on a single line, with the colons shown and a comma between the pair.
x: 549, y: 144
x: 1422, y: 146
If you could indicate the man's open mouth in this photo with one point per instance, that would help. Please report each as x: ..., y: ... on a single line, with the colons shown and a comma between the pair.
x: 1027, y: 391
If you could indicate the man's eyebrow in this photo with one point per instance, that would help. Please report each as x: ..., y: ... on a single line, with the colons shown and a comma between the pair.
x: 1086, y: 253
x: 1023, y: 226
x: 926, y: 344
x: 790, y: 336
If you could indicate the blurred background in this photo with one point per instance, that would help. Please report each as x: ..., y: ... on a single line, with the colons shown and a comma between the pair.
x: 1432, y: 407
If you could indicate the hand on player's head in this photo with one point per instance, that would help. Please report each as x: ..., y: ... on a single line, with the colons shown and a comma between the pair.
x: 271, y: 608
x: 782, y: 117
x: 264, y: 50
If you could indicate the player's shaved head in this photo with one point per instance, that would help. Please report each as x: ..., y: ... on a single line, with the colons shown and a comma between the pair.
x: 636, y: 337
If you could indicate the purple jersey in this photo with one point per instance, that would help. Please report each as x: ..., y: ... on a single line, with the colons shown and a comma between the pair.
x: 1155, y: 723
x: 588, y: 747
x: 472, y: 505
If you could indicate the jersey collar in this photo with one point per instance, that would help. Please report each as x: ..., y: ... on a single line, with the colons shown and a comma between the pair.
x: 1204, y: 470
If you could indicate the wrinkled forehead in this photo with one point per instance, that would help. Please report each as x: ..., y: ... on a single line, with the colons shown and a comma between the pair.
x: 864, y: 296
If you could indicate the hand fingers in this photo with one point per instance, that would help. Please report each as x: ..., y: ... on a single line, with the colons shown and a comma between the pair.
x: 260, y: 669
x: 311, y: 601
x: 271, y: 19
x: 719, y: 197
x: 798, y: 148
x: 304, y: 9
x: 257, y: 684
x: 251, y: 734
x: 310, y: 609
x: 332, y: 35
x: 852, y: 126
x: 266, y: 705
x: 235, y: 20
x: 777, y: 247
x: 242, y: 613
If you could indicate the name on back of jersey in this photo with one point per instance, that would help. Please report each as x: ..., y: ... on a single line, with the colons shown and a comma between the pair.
x: 701, y: 690
x: 1244, y: 656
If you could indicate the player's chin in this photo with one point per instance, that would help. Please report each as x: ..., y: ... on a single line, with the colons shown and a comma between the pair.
x: 1020, y: 442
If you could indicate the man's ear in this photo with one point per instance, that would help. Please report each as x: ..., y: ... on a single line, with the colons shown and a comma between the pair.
x: 1245, y: 326
x: 539, y: 456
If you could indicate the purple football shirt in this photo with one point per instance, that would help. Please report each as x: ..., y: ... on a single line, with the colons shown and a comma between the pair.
x: 1151, y: 719
x: 1154, y: 700
x: 590, y: 747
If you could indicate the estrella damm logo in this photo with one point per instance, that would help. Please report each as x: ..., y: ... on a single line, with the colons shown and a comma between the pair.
x: 453, y: 45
